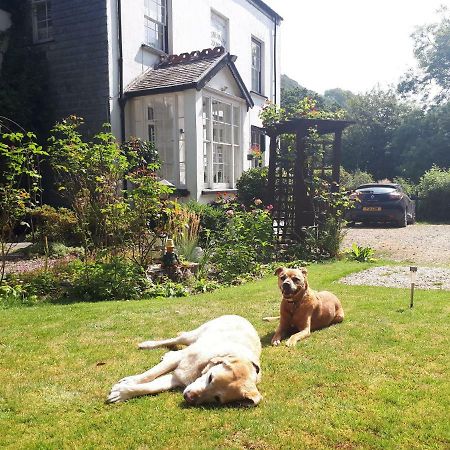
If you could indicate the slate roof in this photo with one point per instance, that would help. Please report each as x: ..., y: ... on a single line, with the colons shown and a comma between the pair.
x: 186, y: 71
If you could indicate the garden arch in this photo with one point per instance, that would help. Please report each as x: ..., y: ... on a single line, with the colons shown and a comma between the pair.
x: 287, y: 190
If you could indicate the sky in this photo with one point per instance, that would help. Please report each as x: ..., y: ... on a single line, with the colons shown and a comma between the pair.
x: 350, y: 44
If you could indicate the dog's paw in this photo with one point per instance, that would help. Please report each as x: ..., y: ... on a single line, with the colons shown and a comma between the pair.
x: 276, y: 342
x: 291, y: 342
x: 148, y: 345
x: 119, y: 393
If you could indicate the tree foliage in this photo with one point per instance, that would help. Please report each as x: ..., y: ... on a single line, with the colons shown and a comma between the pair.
x: 368, y: 144
x: 432, y: 51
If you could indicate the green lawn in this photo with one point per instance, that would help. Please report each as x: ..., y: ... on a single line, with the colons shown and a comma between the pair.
x: 378, y: 380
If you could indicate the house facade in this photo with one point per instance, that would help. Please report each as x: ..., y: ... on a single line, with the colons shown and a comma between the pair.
x: 191, y: 76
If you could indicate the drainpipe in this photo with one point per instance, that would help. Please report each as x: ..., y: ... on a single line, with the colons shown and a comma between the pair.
x: 121, y: 97
x: 275, y: 60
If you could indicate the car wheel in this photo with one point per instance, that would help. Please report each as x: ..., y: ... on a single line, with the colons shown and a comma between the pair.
x: 412, y: 219
x: 404, y: 220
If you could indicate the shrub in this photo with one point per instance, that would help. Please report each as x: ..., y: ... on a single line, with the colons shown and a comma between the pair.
x: 112, y: 280
x: 351, y: 180
x: 408, y: 186
x: 212, y: 219
x: 14, y: 294
x: 252, y: 185
x: 434, y: 193
x: 57, y: 225
x: 361, y: 254
x: 89, y: 176
x: 243, y: 244
x: 167, y: 288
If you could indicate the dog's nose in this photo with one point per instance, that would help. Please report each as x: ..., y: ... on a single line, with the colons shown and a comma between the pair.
x: 189, y: 397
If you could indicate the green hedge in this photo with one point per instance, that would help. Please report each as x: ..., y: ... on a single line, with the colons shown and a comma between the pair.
x: 434, y: 195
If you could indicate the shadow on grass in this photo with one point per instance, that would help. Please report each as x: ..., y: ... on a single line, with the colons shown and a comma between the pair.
x: 266, y: 340
x: 216, y: 406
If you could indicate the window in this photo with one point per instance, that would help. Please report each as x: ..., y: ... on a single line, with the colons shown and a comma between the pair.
x: 257, y: 146
x: 221, y: 142
x: 155, y: 23
x: 41, y: 11
x: 165, y: 128
x: 219, y: 31
x: 256, y: 66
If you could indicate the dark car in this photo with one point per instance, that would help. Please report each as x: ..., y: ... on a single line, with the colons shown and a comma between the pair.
x: 382, y: 203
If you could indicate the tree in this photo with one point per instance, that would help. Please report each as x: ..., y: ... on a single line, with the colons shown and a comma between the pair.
x: 432, y: 51
x: 423, y: 140
x: 338, y: 96
x: 368, y: 144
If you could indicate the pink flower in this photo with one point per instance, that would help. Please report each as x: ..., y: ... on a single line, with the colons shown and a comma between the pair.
x: 230, y: 213
x: 269, y: 207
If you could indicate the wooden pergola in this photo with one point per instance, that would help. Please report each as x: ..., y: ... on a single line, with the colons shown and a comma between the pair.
x: 287, y: 188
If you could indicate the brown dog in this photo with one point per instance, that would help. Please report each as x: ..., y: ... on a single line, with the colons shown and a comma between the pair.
x: 303, y: 310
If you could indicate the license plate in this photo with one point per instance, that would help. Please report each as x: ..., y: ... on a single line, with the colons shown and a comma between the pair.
x: 371, y: 208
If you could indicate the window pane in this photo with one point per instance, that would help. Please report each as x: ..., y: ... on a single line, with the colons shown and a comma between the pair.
x: 155, y: 15
x: 219, y: 31
x: 156, y: 10
x: 154, y: 34
x: 256, y: 66
x: 236, y: 116
x: 42, y: 20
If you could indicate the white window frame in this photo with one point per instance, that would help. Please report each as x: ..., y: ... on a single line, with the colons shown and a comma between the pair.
x: 257, y: 66
x: 219, y: 38
x: 176, y: 140
x: 153, y: 24
x: 210, y: 145
x: 47, y: 22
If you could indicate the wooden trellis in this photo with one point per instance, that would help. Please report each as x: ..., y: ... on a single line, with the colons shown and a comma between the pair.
x: 287, y: 179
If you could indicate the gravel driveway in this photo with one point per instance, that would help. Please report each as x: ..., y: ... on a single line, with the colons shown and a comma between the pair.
x: 418, y: 245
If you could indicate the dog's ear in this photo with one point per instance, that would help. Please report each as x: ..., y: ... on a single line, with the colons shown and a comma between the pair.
x: 225, y: 360
x: 279, y: 270
x: 304, y: 271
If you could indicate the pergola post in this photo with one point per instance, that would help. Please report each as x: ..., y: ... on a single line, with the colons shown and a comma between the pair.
x: 304, y: 210
x: 337, y: 156
x: 270, y: 189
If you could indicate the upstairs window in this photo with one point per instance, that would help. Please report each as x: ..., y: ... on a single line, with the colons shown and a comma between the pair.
x: 219, y: 31
x: 155, y: 23
x: 256, y: 66
x: 41, y: 13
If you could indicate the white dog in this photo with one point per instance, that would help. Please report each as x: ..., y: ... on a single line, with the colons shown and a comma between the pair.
x: 220, y: 364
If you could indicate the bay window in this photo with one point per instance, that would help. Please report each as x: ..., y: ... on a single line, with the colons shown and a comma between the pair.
x: 221, y: 142
x: 165, y: 128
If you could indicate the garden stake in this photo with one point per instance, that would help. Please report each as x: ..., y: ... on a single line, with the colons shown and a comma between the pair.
x: 413, y: 271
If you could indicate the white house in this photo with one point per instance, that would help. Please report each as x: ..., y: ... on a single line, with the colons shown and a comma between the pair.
x: 200, y: 105
x: 190, y: 75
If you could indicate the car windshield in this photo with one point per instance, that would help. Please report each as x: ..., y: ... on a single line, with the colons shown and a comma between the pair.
x: 376, y: 189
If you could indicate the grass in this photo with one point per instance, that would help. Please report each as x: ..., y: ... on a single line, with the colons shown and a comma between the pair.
x: 378, y: 380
